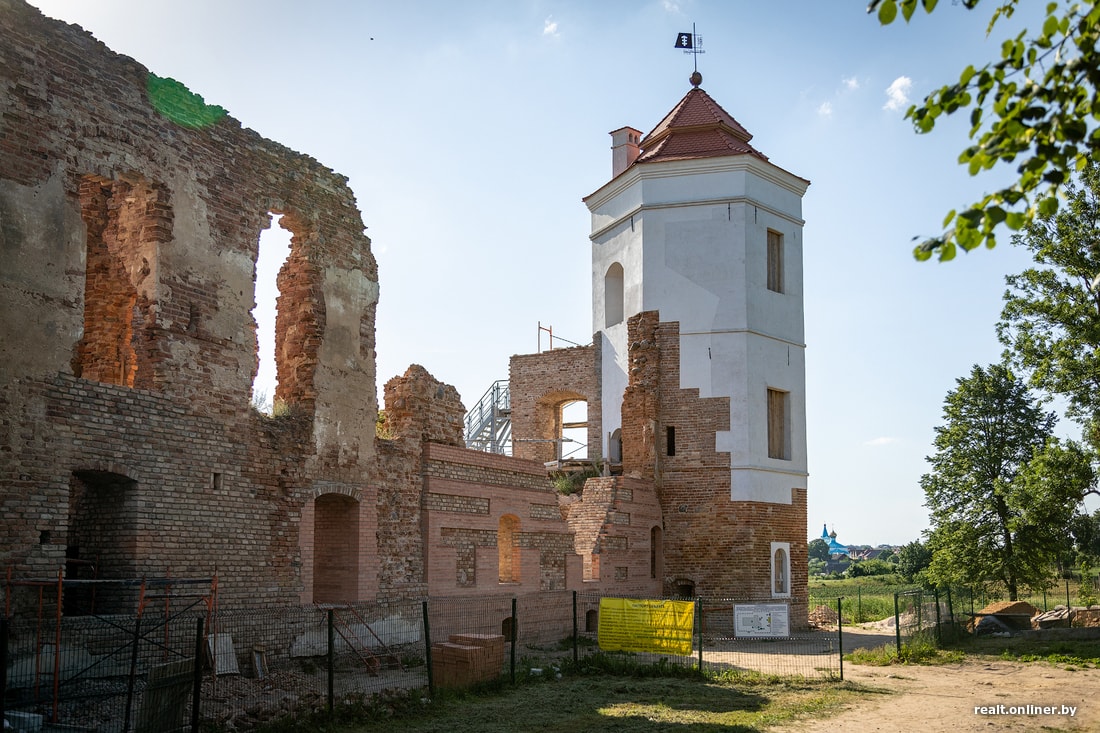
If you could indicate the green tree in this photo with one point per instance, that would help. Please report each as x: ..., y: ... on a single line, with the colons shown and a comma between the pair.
x: 818, y: 549
x: 1050, y: 322
x: 1002, y: 490
x: 1085, y: 531
x: 913, y: 558
x: 1035, y: 107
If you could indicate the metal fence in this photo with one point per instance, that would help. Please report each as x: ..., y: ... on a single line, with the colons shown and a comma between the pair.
x: 720, y: 645
x: 238, y: 669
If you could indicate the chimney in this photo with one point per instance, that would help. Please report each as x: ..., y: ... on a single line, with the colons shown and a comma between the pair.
x: 624, y: 149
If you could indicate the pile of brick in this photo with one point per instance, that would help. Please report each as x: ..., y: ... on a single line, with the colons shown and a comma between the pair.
x: 1087, y: 617
x: 822, y: 616
x: 466, y: 659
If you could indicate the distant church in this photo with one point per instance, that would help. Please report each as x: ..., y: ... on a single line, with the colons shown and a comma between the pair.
x: 695, y: 382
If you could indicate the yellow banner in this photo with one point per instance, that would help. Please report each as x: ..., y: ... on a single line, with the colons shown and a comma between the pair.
x: 661, y: 627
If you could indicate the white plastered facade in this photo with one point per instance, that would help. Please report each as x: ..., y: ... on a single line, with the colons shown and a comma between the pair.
x: 691, y: 237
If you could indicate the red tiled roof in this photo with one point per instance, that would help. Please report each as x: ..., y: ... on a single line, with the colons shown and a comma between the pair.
x: 697, y: 127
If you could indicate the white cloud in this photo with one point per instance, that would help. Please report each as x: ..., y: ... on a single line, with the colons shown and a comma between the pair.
x: 825, y: 110
x: 897, y: 94
x: 550, y: 27
x: 882, y: 440
x: 850, y: 83
x: 671, y: 6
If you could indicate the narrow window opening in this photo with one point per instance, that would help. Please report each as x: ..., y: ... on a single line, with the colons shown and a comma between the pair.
x: 775, y: 261
x: 508, y: 629
x: 685, y: 588
x: 656, y: 552
x: 274, y: 251
x: 216, y: 481
x: 670, y: 440
x: 591, y: 621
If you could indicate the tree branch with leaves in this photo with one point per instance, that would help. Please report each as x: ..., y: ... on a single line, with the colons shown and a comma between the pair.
x: 1036, y: 107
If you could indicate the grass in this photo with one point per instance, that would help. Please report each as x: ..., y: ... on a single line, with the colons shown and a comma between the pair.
x: 602, y: 693
x: 614, y: 703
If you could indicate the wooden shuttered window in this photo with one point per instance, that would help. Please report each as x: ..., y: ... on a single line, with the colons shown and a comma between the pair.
x: 775, y: 261
x: 778, y: 424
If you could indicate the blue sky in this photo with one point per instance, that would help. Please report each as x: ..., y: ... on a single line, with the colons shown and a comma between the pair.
x: 471, y: 131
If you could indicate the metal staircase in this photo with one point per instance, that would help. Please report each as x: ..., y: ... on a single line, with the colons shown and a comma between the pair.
x: 489, y: 422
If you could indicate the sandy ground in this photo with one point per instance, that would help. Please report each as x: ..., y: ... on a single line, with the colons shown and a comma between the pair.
x: 943, y: 698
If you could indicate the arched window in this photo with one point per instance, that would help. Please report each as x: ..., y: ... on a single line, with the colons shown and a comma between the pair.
x: 781, y: 569
x: 508, y: 548
x: 615, y: 446
x: 613, y: 293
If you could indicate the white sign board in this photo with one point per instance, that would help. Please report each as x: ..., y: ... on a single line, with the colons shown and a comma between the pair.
x: 762, y: 620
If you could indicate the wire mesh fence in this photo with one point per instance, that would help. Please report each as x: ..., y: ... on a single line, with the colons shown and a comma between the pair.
x: 236, y: 669
x: 740, y: 635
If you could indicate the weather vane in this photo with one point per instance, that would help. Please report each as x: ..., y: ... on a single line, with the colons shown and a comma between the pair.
x: 691, y: 43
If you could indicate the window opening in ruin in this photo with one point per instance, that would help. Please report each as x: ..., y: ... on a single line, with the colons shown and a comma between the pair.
x: 685, y: 588
x: 508, y: 629
x: 125, y: 221
x: 508, y: 548
x: 274, y: 251
x: 670, y: 441
x: 613, y: 295
x: 102, y: 540
x: 574, y: 431
x: 335, y: 549
x: 591, y: 621
x: 656, y: 552
x: 781, y: 569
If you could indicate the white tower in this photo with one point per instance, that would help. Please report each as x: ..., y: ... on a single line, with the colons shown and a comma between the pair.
x: 698, y: 225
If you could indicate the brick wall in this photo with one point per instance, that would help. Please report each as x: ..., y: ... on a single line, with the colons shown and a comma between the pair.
x: 473, y: 501
x: 540, y: 384
x: 128, y: 349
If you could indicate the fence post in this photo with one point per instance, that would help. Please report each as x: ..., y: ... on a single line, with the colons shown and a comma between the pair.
x: 699, y: 626
x: 939, y: 636
x: 515, y: 635
x: 331, y: 662
x: 133, y: 675
x: 951, y: 617
x: 859, y: 606
x: 428, y: 651
x: 574, y: 627
x: 897, y: 625
x: 840, y: 636
x: 3, y: 665
x: 196, y: 689
x: 1067, y: 594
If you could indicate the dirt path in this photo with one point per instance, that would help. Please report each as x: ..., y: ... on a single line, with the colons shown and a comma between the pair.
x: 944, y: 698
